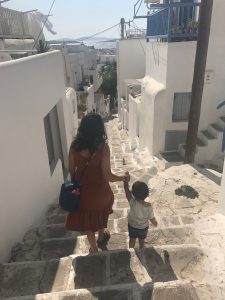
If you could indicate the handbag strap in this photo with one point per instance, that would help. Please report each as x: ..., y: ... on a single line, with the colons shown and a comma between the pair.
x: 84, y: 169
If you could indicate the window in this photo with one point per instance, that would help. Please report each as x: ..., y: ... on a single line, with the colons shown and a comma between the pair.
x: 181, y: 107
x: 53, y: 139
x: 91, y: 79
x: 49, y: 139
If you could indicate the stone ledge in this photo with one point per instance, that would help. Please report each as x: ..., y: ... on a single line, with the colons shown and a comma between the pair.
x: 68, y: 245
x: 178, y: 290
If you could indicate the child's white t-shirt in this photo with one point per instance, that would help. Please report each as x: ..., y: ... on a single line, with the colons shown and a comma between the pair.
x: 139, y: 214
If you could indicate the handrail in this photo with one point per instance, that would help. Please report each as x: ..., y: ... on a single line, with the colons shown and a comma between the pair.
x: 175, y: 4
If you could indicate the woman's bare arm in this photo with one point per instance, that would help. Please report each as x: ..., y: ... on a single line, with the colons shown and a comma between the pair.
x: 127, y: 191
x: 106, y: 168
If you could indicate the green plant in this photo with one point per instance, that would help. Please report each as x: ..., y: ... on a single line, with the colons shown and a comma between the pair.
x: 187, y: 191
x: 196, y: 25
x: 42, y: 47
x: 82, y: 107
x: 108, y: 72
x: 192, y: 25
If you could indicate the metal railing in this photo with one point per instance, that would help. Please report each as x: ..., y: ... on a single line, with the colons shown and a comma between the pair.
x: 13, y: 24
x: 173, y: 22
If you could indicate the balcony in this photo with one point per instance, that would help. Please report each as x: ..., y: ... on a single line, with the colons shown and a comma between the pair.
x: 173, y: 22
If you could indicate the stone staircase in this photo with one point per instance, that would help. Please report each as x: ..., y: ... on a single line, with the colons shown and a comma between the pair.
x: 53, y: 263
x: 209, y: 146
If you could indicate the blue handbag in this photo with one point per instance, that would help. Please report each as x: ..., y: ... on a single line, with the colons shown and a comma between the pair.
x: 69, y: 198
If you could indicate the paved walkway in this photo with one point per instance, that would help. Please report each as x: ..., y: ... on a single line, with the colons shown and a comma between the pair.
x: 52, y: 263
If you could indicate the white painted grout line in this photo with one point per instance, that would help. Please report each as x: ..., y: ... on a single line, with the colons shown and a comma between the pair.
x: 115, y: 225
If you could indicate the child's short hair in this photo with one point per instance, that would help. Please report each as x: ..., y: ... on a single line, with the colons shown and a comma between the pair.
x: 140, y: 190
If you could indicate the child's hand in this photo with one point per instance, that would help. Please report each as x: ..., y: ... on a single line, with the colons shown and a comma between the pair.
x: 126, y: 177
x: 154, y: 222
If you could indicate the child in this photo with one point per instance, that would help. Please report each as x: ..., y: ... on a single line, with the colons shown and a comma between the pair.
x: 140, y: 212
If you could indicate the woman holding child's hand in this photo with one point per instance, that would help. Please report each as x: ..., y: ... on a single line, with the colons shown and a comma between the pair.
x: 90, y: 149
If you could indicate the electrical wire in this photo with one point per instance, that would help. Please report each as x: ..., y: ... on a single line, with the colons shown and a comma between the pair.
x: 138, y: 8
x: 53, y: 2
x: 137, y: 28
x: 98, y: 33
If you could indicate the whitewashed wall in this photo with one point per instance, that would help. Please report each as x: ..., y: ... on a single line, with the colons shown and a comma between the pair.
x: 29, y: 89
x: 221, y: 206
x: 134, y: 116
x: 97, y: 80
x: 130, y: 63
x: 90, y: 98
x: 70, y: 115
x: 79, y: 61
x: 214, y: 92
x: 217, y: 50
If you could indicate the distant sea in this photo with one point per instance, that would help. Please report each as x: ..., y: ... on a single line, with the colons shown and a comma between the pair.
x: 97, y: 42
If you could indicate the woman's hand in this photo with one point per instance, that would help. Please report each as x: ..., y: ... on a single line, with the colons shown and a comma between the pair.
x: 126, y: 177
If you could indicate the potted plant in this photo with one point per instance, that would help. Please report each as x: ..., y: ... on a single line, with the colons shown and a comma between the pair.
x: 81, y: 108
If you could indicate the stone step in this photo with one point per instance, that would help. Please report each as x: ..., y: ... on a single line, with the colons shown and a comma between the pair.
x: 118, y: 212
x: 208, y: 135
x: 63, y: 246
x: 172, y: 156
x: 216, y: 127
x: 210, y: 291
x: 30, y: 278
x: 167, y: 221
x: 116, y: 226
x: 155, y: 264
x: 172, y: 290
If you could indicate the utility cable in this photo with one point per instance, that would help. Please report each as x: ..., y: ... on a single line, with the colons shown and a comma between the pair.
x: 53, y: 2
x: 139, y: 40
x: 98, y: 33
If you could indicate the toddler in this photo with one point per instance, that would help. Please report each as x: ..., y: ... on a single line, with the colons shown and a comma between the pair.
x: 140, y: 212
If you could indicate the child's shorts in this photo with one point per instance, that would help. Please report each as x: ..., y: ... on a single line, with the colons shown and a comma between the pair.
x: 137, y: 233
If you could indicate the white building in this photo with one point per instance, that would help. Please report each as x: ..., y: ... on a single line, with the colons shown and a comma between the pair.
x: 166, y: 85
x: 38, y: 120
x: 81, y: 71
x: 131, y: 57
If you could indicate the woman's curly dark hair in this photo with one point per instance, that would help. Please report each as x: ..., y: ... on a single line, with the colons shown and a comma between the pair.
x: 91, y: 133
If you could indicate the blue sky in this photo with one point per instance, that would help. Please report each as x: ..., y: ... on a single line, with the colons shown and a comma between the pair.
x: 76, y: 18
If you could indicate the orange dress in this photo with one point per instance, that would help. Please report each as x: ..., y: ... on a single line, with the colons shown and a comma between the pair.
x: 96, y: 195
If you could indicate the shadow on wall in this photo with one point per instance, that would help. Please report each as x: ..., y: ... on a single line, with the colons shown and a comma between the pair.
x: 207, y: 173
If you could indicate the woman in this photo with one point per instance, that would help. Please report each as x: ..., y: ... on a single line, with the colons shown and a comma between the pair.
x: 90, y: 150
